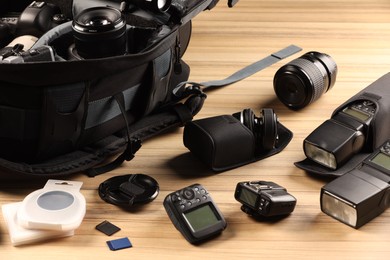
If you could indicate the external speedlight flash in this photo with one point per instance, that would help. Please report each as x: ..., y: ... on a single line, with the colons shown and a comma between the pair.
x: 361, y: 194
x: 336, y: 140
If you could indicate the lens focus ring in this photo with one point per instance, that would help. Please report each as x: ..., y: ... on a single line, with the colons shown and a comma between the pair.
x: 303, y: 80
x: 314, y: 75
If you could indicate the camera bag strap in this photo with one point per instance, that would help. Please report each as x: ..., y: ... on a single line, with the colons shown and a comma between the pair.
x: 244, y: 72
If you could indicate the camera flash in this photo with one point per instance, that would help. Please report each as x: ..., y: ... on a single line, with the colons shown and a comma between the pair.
x: 333, y: 143
x: 355, y: 198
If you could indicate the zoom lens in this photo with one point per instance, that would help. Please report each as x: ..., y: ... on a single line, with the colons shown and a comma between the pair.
x: 304, y: 80
x: 100, y: 32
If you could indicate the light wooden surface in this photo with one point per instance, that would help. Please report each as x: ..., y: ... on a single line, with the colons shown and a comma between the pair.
x: 356, y: 33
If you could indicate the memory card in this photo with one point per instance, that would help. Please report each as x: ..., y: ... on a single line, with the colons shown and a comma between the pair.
x: 118, y: 244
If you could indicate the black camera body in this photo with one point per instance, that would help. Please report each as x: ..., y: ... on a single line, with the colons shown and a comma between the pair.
x: 35, y: 20
x: 194, y: 213
x: 264, y: 198
x: 361, y: 194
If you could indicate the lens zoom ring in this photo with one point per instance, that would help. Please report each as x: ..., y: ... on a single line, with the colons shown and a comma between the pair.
x: 315, y: 76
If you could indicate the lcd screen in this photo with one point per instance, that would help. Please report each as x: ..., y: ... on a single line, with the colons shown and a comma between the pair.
x: 382, y: 160
x: 248, y: 197
x: 356, y: 113
x: 201, y: 218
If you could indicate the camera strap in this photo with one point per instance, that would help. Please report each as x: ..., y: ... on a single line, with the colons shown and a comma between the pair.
x: 245, y: 72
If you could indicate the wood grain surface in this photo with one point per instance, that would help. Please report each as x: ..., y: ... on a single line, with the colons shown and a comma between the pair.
x: 355, y: 33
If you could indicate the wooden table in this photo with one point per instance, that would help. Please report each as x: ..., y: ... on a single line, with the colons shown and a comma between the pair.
x: 355, y: 33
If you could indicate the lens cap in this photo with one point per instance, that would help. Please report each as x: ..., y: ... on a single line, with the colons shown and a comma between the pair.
x: 128, y: 190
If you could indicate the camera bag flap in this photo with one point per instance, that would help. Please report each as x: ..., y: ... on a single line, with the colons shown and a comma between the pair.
x: 223, y: 142
x: 377, y: 92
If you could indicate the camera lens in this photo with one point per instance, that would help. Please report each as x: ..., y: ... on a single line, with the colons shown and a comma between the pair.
x: 304, y: 80
x: 100, y: 32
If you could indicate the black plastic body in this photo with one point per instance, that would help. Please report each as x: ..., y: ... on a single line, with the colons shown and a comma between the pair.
x: 190, y: 199
x: 264, y: 198
x: 344, y: 135
x: 36, y: 19
x: 365, y: 188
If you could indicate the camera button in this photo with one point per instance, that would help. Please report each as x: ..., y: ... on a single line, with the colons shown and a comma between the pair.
x: 188, y: 194
x: 175, y: 198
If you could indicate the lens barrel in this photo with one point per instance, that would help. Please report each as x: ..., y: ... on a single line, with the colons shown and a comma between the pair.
x: 100, y: 32
x: 304, y: 80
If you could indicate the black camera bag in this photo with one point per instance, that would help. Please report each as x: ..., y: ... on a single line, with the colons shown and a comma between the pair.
x: 70, y: 115
x: 67, y: 116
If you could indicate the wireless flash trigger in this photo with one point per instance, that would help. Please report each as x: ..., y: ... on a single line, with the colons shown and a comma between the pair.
x: 58, y: 206
x: 128, y: 190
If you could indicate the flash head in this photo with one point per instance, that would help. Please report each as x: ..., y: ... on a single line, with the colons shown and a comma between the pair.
x: 336, y: 140
x: 361, y: 194
x: 332, y: 144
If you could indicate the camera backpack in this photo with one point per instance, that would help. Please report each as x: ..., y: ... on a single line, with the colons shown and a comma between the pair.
x: 71, y: 115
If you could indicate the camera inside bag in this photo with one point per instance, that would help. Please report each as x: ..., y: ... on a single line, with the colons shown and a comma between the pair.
x: 96, y: 25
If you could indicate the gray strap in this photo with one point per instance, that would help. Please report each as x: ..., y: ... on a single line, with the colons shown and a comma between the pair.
x: 253, y: 68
